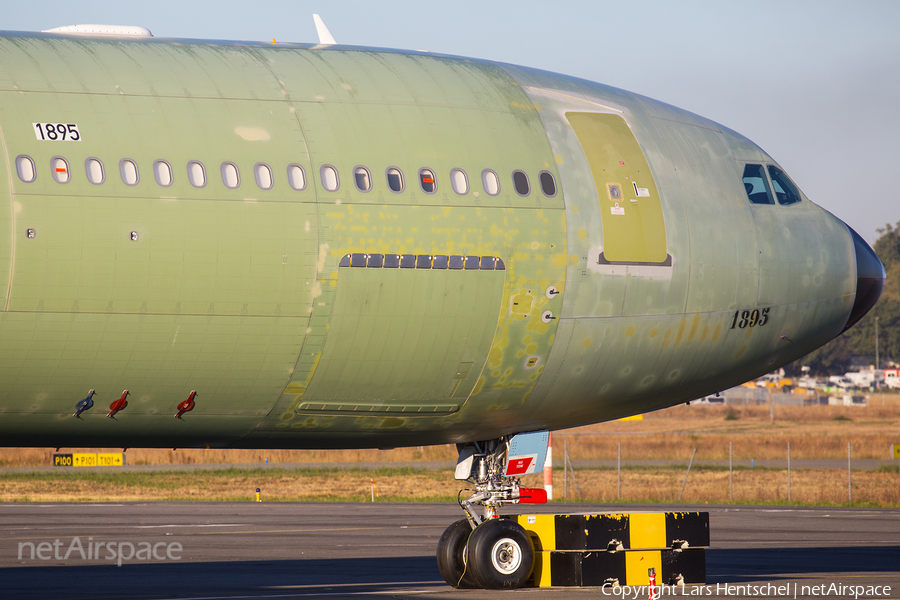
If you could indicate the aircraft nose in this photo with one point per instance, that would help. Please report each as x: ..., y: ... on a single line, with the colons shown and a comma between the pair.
x: 870, y: 278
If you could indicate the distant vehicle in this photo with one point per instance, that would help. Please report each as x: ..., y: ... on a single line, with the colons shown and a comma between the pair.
x: 842, y: 381
x: 866, y: 379
x: 774, y: 380
x: 717, y: 400
x: 807, y: 382
x: 892, y: 378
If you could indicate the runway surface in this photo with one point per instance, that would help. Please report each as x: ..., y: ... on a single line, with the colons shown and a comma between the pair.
x: 386, y: 550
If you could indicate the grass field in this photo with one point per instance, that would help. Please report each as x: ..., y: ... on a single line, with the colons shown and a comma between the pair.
x: 813, y: 432
x: 641, y: 484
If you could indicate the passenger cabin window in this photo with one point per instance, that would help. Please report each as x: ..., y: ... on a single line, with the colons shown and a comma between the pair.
x: 231, y: 177
x: 757, y: 185
x: 548, y: 184
x: 128, y: 171
x: 60, y: 169
x: 426, y: 179
x: 520, y: 183
x: 162, y: 171
x: 330, y: 179
x: 459, y: 181
x: 196, y: 173
x: 362, y: 178
x: 93, y: 168
x: 395, y: 179
x: 785, y: 190
x: 263, y: 174
x: 491, y: 182
x: 296, y: 177
x: 25, y: 168
x: 407, y: 261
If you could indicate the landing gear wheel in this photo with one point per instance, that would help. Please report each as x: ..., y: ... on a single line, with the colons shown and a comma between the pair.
x: 451, y: 556
x: 500, y: 555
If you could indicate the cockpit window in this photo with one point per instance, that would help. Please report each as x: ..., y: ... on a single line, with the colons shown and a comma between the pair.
x: 757, y: 185
x: 785, y: 190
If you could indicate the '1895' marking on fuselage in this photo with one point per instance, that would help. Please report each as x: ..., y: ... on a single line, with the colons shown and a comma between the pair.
x: 750, y: 318
x: 56, y: 132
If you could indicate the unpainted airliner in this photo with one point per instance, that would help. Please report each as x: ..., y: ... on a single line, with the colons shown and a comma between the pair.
x: 270, y: 245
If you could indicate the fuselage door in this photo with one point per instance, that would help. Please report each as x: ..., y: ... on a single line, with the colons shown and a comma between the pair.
x: 633, y: 228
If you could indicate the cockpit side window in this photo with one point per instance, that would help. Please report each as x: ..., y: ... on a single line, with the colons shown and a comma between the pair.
x: 785, y: 190
x: 757, y: 185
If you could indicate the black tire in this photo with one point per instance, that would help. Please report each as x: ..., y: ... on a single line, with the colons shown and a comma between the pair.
x: 451, y: 556
x: 500, y: 555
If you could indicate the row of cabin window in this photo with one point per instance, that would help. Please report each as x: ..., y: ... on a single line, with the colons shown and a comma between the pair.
x: 162, y: 172
x: 231, y: 176
x: 423, y: 261
x: 459, y: 181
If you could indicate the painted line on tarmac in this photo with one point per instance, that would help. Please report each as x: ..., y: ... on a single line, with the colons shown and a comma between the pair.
x: 244, y: 531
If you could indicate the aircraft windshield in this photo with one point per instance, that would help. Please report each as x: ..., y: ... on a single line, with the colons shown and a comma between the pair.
x: 756, y: 185
x: 785, y: 190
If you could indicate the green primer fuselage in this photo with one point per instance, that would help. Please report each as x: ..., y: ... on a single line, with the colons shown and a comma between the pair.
x: 238, y: 293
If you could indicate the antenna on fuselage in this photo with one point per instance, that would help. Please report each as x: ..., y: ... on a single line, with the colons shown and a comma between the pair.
x: 325, y: 36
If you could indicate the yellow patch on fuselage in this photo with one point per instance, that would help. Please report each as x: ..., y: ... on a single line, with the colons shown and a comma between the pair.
x: 694, y: 324
x: 253, y: 134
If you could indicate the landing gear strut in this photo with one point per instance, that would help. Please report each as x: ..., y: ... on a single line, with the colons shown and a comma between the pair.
x: 484, y: 550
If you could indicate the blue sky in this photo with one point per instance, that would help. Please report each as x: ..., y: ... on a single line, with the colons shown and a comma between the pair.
x: 815, y: 83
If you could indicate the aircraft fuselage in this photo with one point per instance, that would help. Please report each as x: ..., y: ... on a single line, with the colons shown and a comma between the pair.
x: 229, y: 219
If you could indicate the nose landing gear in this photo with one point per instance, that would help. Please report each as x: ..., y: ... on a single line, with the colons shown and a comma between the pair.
x: 485, y: 550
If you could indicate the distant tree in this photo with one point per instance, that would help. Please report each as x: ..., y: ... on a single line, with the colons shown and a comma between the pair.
x: 887, y: 247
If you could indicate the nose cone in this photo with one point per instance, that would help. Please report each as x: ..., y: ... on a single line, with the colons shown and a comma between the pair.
x: 869, y: 279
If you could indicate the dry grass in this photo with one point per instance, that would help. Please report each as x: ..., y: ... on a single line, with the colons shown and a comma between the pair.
x: 813, y: 432
x: 230, y: 484
x: 705, y: 485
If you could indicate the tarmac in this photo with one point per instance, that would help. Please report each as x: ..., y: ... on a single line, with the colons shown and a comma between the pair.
x: 212, y: 551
